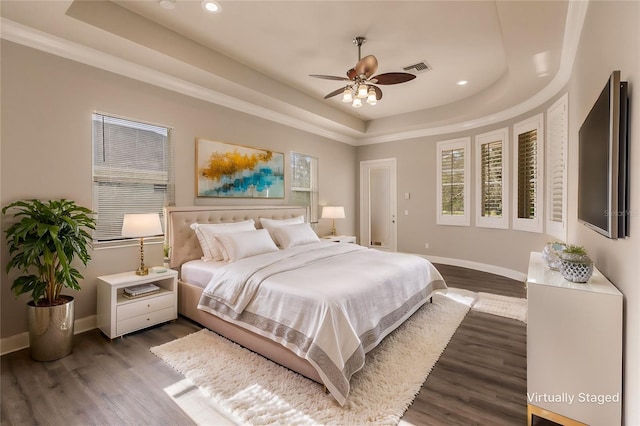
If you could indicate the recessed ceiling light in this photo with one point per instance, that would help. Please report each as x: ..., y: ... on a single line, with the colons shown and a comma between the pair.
x: 211, y: 6
x: 462, y: 83
x: 168, y: 4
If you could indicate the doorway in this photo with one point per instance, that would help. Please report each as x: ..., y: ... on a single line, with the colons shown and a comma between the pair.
x: 378, y: 216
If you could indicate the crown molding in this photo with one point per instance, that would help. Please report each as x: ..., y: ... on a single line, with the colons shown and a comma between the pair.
x: 30, y: 37
x: 576, y: 13
x: 36, y: 39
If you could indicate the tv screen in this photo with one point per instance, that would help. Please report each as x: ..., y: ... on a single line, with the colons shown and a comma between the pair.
x: 603, y: 163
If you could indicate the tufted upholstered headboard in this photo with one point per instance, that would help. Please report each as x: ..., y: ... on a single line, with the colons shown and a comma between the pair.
x: 183, y: 241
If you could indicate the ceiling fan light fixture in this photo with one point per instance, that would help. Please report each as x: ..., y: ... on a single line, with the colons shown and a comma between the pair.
x: 347, y: 96
x: 371, y: 97
x: 357, y: 103
x: 362, y: 91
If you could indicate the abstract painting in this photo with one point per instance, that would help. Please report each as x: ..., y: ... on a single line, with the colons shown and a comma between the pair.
x: 227, y: 170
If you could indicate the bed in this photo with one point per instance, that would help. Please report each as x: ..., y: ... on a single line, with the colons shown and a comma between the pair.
x: 315, y: 308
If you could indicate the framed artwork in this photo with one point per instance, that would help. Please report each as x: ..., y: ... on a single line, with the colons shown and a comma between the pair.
x: 226, y: 170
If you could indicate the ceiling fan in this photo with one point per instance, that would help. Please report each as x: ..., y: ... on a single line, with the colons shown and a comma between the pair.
x: 361, y: 83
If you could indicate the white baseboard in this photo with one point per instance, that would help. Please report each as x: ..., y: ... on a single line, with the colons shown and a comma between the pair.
x: 21, y: 341
x: 492, y: 269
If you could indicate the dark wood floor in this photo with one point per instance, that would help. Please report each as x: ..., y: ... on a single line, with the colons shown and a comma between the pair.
x: 480, y: 378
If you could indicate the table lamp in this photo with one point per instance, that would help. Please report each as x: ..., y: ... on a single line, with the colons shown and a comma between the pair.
x: 333, y: 213
x: 140, y: 225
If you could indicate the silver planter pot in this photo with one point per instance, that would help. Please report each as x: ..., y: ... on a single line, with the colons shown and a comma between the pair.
x: 50, y: 330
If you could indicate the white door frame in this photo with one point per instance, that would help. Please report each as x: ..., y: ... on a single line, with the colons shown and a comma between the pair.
x: 365, y: 215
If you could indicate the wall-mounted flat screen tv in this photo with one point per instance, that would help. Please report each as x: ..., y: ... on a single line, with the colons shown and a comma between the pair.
x: 603, y: 176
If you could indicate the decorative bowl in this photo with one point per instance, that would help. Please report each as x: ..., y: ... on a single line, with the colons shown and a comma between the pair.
x: 551, y: 255
x: 576, y: 268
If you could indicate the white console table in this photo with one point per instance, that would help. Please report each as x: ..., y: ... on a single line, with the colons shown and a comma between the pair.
x: 574, y: 348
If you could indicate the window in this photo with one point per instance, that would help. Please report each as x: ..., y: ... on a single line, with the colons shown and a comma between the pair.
x: 304, y: 183
x: 453, y: 182
x: 528, y: 174
x: 557, y: 139
x: 132, y: 172
x: 492, y: 203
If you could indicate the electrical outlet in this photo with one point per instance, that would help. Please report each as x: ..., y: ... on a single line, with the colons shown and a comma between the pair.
x: 426, y: 245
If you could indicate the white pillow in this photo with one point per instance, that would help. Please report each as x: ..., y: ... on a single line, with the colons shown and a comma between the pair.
x: 206, y: 233
x: 239, y: 245
x: 271, y: 224
x: 295, y: 235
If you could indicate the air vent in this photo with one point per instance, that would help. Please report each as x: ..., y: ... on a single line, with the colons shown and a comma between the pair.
x: 418, y: 68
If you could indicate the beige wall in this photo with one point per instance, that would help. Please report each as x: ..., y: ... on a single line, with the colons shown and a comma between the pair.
x: 47, y: 103
x: 611, y: 41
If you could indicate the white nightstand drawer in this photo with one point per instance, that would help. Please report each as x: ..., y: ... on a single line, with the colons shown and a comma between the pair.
x: 143, y: 321
x: 144, y: 306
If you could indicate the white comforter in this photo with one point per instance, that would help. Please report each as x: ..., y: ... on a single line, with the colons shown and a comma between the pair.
x: 329, y: 303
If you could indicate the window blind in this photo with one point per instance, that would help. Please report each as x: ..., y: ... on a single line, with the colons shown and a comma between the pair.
x: 491, y: 179
x: 527, y: 174
x: 132, y: 172
x: 304, y: 183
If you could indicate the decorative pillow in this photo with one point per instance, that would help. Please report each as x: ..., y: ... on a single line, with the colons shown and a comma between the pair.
x: 271, y: 224
x: 239, y: 245
x: 206, y: 233
x: 295, y: 235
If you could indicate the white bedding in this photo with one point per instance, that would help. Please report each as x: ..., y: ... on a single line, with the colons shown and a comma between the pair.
x: 199, y: 272
x: 329, y: 303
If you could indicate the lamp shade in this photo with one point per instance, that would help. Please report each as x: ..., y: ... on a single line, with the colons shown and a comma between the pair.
x: 141, y: 225
x: 329, y: 212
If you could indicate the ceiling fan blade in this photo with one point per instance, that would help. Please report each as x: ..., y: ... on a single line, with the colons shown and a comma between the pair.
x: 352, y: 74
x: 329, y: 77
x: 367, y: 66
x: 335, y: 92
x: 392, y: 78
x: 378, y: 91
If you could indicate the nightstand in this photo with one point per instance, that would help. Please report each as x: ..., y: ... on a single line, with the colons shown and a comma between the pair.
x: 340, y: 238
x: 118, y: 315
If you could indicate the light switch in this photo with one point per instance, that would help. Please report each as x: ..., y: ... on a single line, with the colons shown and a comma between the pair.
x: 407, y: 195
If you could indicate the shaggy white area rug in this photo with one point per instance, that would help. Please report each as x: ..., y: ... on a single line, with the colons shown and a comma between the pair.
x: 504, y: 306
x: 495, y: 304
x: 249, y: 389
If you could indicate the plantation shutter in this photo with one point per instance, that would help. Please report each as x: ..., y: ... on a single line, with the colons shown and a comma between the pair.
x: 452, y: 178
x: 491, y: 179
x: 527, y: 174
x: 557, y: 139
x: 132, y: 172
x: 452, y: 161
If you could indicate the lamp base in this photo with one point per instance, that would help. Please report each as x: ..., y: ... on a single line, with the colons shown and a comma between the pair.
x: 143, y: 270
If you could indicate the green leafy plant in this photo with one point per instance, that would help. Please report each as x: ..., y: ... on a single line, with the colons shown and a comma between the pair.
x: 44, y: 241
x: 166, y: 249
x: 575, y: 250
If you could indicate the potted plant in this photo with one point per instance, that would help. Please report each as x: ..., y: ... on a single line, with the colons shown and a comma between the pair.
x: 43, y: 243
x: 576, y: 265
